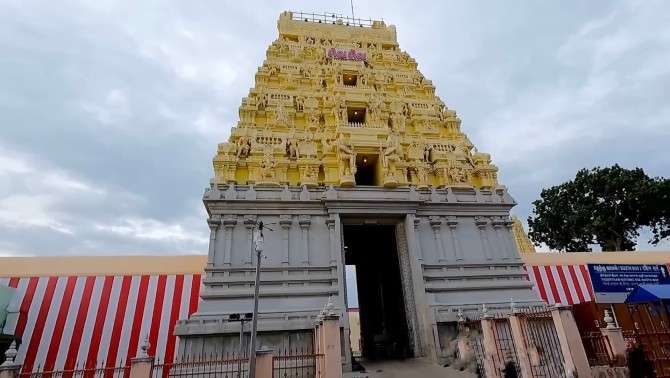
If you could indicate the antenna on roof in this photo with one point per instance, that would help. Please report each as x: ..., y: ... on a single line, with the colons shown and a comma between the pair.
x: 352, y: 9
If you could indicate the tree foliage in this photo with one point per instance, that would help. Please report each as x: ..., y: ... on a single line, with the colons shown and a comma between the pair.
x: 604, y: 206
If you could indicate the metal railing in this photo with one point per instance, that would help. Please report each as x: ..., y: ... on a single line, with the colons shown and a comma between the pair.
x: 297, y: 364
x: 598, y: 350
x: 228, y: 365
x: 543, y: 346
x: 331, y: 18
x: 77, y: 372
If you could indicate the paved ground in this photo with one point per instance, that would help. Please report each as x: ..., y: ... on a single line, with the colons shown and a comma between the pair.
x: 406, y: 368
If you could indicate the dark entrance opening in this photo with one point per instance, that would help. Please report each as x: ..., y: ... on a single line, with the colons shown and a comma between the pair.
x: 366, y: 170
x: 383, y: 322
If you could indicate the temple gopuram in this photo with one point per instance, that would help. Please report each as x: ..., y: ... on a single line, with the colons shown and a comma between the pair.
x: 343, y: 149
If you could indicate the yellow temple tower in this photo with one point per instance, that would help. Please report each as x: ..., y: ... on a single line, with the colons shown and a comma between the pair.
x: 343, y: 149
x: 341, y: 106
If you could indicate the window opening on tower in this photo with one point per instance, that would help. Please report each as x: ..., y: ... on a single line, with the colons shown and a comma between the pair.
x: 356, y: 115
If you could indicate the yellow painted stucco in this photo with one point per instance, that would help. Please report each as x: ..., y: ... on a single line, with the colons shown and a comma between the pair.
x: 100, y: 265
x: 330, y: 97
x: 190, y: 264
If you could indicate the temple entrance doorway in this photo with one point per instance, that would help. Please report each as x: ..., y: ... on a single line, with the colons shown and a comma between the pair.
x: 372, y: 251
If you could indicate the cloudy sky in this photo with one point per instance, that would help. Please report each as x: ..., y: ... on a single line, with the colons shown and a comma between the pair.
x: 110, y: 112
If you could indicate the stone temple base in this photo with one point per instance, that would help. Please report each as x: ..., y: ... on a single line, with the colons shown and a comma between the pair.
x: 454, y: 247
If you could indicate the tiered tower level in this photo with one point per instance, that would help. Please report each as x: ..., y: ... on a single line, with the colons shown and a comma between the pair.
x: 329, y: 95
x: 347, y: 156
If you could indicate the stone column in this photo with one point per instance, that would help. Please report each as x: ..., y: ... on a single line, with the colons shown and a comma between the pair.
x: 425, y: 343
x: 332, y: 352
x: 489, y: 345
x: 250, y: 223
x: 213, y: 222
x: 10, y: 369
x: 285, y: 222
x: 452, y: 222
x: 331, y: 221
x: 617, y: 344
x: 481, y: 223
x: 500, y: 238
x: 304, y: 222
x: 436, y: 224
x: 228, y: 227
x: 520, y: 344
x: 264, y: 368
x: 509, y: 237
x: 574, y: 356
x: 417, y: 243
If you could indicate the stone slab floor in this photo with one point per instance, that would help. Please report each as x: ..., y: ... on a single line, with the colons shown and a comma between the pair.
x: 407, y: 368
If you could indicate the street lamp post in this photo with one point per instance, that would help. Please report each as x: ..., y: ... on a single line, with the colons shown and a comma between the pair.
x: 258, y: 245
x: 242, y: 318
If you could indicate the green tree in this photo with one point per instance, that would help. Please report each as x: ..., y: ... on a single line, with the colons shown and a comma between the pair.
x: 604, y: 206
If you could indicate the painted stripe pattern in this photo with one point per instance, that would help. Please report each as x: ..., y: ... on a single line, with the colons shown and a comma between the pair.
x: 565, y: 284
x: 73, y: 321
x: 92, y: 321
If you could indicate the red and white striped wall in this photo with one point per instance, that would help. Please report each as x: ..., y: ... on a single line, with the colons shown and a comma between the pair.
x: 77, y: 320
x: 565, y: 284
x: 68, y: 321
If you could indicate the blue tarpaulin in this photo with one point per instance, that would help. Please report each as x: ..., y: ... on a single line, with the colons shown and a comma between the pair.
x: 648, y: 293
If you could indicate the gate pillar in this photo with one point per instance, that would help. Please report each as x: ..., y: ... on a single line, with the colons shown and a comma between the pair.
x: 521, y: 345
x: 616, y: 342
x: 490, y: 346
x: 574, y: 356
x: 332, y: 349
x: 264, y: 363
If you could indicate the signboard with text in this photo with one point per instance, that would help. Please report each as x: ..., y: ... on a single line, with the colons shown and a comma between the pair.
x: 613, y: 282
x: 346, y: 54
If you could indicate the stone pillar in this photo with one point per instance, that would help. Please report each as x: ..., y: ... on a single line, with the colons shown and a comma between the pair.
x: 574, y: 356
x: 420, y: 316
x: 481, y: 223
x: 9, y: 369
x: 331, y: 222
x: 617, y: 344
x: 228, y: 226
x: 332, y: 352
x: 509, y: 237
x: 264, y: 368
x: 520, y: 344
x: 436, y: 224
x: 250, y: 223
x: 304, y: 222
x: 489, y: 344
x: 417, y: 243
x: 213, y: 222
x: 285, y: 222
x: 452, y: 223
x: 500, y: 238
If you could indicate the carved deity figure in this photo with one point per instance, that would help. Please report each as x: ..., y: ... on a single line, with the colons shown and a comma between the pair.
x: 273, y: 69
x: 263, y: 101
x: 390, y: 152
x: 281, y: 116
x: 347, y: 157
x: 243, y: 147
x: 268, y: 164
x: 299, y: 103
x: 292, y: 148
x: 428, y: 153
x: 457, y: 174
